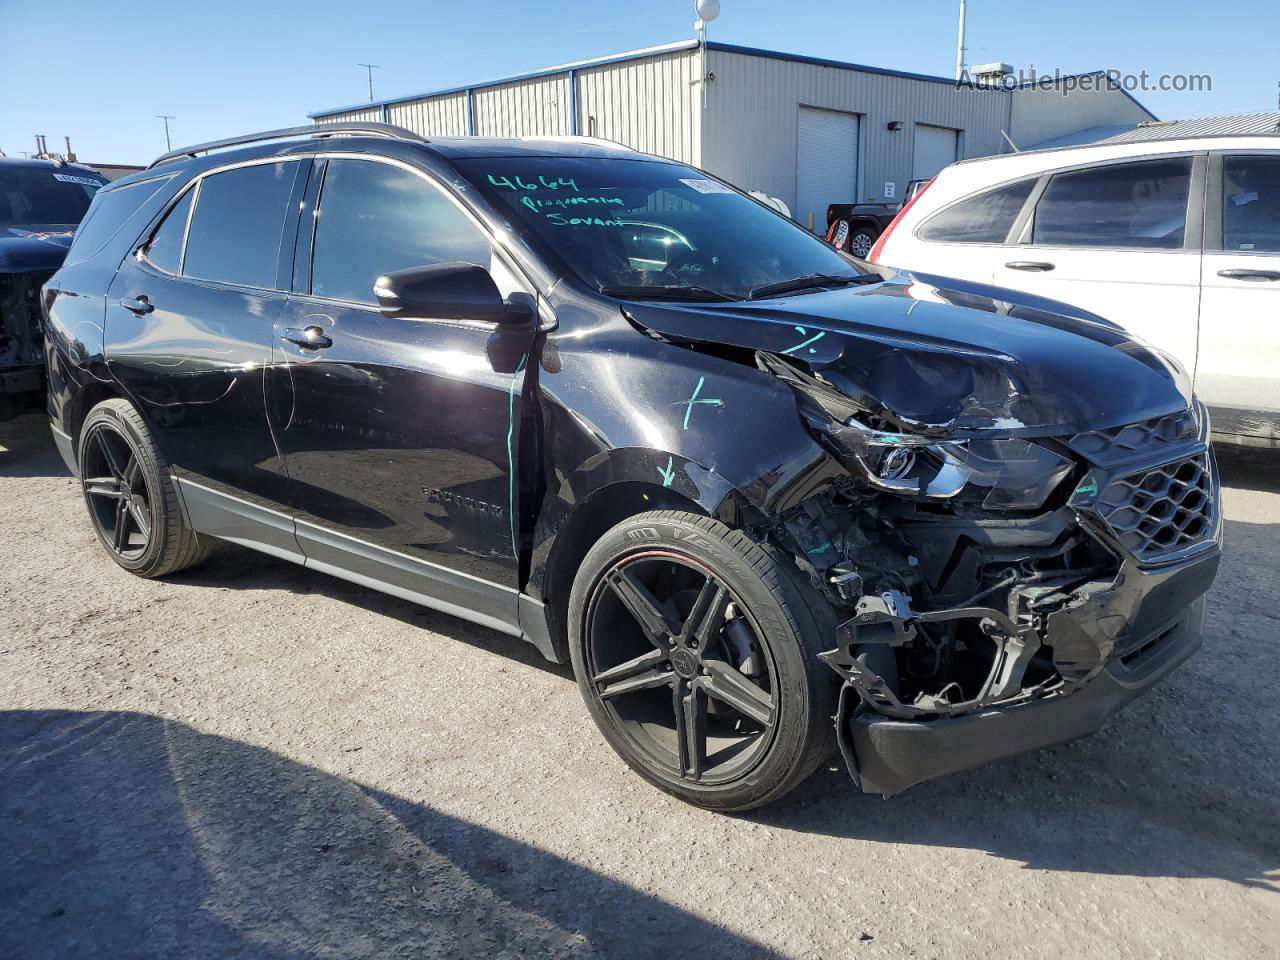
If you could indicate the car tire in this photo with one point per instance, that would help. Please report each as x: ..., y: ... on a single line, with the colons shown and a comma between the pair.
x: 715, y: 742
x: 131, y: 497
x: 861, y: 240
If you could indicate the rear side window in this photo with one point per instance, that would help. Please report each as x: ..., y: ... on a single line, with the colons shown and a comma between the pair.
x: 986, y: 218
x: 164, y: 251
x: 374, y: 218
x: 1125, y: 205
x: 1251, y: 203
x: 236, y: 228
x: 110, y: 209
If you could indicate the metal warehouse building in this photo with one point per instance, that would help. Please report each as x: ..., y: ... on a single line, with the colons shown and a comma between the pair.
x: 806, y: 130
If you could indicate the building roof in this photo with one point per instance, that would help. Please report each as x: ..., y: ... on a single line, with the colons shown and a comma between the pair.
x: 641, y: 54
x: 1235, y: 125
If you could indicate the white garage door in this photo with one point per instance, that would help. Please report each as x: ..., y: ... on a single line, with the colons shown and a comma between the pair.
x: 935, y: 147
x: 826, y: 163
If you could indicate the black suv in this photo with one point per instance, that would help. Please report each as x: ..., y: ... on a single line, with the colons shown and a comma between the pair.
x: 607, y: 403
x: 41, y: 202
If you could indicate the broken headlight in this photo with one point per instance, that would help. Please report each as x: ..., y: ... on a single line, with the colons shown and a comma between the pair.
x: 1016, y: 474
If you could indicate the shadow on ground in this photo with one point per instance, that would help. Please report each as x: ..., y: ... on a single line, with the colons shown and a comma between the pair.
x: 125, y: 835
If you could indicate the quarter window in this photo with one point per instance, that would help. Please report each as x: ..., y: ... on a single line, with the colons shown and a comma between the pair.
x: 1124, y: 205
x: 1251, y: 203
x: 986, y: 218
x: 164, y: 251
x: 374, y: 218
x: 237, y: 225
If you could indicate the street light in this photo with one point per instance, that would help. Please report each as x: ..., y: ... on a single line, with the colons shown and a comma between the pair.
x: 166, y: 118
x: 370, y: 67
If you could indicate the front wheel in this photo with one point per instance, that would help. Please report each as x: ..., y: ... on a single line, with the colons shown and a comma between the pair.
x: 695, y: 650
x: 861, y: 240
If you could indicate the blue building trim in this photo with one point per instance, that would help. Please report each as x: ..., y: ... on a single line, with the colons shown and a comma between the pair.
x: 573, y: 103
x: 471, y: 113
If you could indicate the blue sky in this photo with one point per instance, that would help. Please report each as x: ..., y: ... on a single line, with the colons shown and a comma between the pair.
x: 99, y: 72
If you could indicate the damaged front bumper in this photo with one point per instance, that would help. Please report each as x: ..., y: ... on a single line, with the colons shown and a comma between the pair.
x: 1110, y: 645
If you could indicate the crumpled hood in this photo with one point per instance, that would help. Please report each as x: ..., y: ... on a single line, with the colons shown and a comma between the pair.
x: 35, y: 247
x: 945, y: 356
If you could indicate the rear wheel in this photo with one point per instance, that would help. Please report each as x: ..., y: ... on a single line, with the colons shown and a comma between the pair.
x: 131, y: 498
x: 695, y: 650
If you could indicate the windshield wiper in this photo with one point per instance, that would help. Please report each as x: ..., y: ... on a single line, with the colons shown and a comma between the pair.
x: 671, y: 292
x: 809, y: 282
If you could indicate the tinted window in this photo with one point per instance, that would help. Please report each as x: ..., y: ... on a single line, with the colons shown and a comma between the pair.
x: 35, y: 196
x: 111, y: 208
x: 986, y: 218
x: 375, y: 218
x: 165, y: 249
x: 235, y: 231
x: 1127, y: 205
x: 636, y: 226
x: 1251, y: 203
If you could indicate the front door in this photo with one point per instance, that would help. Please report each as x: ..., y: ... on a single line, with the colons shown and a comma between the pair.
x: 190, y: 318
x: 1118, y: 241
x: 401, y: 436
x: 1238, y: 375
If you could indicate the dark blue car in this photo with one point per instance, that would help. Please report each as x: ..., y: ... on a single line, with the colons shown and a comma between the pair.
x: 41, y: 203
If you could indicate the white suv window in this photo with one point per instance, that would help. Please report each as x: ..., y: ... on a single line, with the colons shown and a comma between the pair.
x: 1251, y: 203
x: 1120, y: 205
x: 986, y: 218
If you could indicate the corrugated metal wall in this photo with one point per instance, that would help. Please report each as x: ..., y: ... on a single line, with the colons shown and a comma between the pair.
x: 372, y: 113
x: 650, y: 105
x: 750, y: 129
x: 527, y: 108
x: 444, y: 116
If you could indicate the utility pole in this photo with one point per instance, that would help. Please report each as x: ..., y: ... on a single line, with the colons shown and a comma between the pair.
x: 166, y: 118
x: 370, y: 67
x: 960, y: 45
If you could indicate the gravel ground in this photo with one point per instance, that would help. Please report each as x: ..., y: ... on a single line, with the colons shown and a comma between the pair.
x: 253, y: 760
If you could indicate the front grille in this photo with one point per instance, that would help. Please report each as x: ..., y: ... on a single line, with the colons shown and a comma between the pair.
x: 1116, y: 444
x: 20, y: 338
x: 1158, y: 512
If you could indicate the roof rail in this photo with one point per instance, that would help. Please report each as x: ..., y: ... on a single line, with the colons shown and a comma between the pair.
x: 341, y: 128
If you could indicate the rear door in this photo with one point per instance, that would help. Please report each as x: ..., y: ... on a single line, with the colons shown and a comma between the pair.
x: 189, y: 330
x: 401, y: 436
x: 1122, y: 240
x: 1238, y: 374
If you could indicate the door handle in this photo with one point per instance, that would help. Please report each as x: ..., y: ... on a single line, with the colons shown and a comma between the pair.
x: 309, y: 338
x: 1031, y: 266
x: 1253, y: 276
x: 139, y: 305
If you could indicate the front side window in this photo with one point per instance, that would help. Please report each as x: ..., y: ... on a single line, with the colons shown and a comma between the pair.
x: 645, y: 225
x: 45, y: 196
x: 374, y: 218
x: 237, y: 225
x: 1251, y: 203
x: 1124, y: 205
x: 986, y: 218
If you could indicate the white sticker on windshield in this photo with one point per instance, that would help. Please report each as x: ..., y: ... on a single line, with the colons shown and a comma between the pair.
x: 705, y: 186
x: 68, y: 178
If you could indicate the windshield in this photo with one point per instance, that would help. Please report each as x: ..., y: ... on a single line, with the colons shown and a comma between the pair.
x: 32, y: 196
x: 637, y: 227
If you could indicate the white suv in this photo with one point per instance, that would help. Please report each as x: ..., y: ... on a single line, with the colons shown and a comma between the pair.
x: 1178, y: 241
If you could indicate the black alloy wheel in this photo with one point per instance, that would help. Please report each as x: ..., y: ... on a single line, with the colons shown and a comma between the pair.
x: 131, y: 497
x: 116, y: 490
x: 678, y: 663
x: 696, y: 651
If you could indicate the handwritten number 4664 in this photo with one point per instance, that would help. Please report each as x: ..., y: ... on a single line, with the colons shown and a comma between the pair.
x: 543, y: 183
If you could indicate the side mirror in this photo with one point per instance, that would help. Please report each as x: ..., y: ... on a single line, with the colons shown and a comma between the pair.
x: 447, y: 291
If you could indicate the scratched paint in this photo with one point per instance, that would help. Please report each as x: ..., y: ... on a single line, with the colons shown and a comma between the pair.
x: 696, y: 399
x: 806, y: 344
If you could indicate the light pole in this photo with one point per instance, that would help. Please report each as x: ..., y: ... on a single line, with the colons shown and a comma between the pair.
x: 166, y: 118
x: 960, y: 45
x: 370, y: 67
